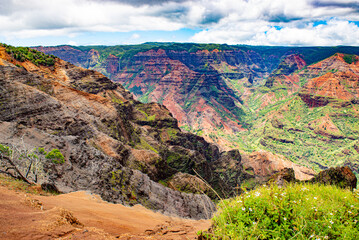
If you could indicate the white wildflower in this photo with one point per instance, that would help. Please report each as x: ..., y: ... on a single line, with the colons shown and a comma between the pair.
x: 243, y: 208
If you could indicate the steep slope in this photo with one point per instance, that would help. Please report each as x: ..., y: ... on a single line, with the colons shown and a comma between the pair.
x: 339, y: 83
x: 81, y: 215
x: 199, y: 100
x: 280, y: 84
x: 113, y: 145
x: 319, y: 124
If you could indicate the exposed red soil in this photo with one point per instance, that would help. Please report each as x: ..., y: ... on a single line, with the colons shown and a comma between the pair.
x: 81, y: 215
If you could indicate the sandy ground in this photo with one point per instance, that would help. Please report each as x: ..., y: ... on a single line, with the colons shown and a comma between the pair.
x: 81, y: 215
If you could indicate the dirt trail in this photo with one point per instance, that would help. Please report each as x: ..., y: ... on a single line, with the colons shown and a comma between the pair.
x: 81, y: 215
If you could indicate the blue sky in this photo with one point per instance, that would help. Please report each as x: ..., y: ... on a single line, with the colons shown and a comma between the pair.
x: 112, y: 22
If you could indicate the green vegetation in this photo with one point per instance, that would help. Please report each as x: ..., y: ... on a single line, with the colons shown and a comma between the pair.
x: 298, y: 211
x: 5, y: 150
x: 144, y: 145
x: 23, y: 54
x: 24, y: 164
x: 306, y: 145
x: 55, y: 156
x: 350, y: 58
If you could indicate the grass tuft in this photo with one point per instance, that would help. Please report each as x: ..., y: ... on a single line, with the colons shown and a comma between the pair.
x: 299, y: 211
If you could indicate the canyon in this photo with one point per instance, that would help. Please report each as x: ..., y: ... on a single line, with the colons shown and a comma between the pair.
x: 113, y: 145
x: 299, y: 103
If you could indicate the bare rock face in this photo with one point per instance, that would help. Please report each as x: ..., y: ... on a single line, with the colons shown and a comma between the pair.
x: 325, y: 127
x: 189, y: 183
x: 263, y: 165
x: 112, y: 64
x: 194, y: 96
x: 288, y: 66
x: 286, y: 175
x: 340, y: 176
x: 339, y: 84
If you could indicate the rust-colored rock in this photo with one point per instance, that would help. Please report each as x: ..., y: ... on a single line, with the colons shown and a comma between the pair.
x: 340, y: 176
x: 325, y: 127
x: 337, y: 83
x: 263, y: 164
x: 112, y: 64
x: 286, y: 175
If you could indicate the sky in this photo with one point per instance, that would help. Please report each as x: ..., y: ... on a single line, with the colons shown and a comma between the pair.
x: 114, y: 22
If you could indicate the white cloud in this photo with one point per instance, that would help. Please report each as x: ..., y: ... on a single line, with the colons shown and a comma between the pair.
x: 222, y: 21
x: 135, y: 36
x: 335, y: 32
x: 73, y: 43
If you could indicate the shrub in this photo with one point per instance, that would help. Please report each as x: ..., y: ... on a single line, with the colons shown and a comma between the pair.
x: 299, y: 211
x: 56, y: 156
x: 349, y: 58
x: 5, y: 150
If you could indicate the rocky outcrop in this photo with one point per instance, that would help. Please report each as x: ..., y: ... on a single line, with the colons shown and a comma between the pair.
x: 112, y: 64
x: 288, y: 65
x: 340, y: 176
x: 286, y: 175
x: 336, y: 82
x: 264, y: 164
x: 93, y: 58
x: 339, y: 87
x: 325, y: 127
x: 185, y: 182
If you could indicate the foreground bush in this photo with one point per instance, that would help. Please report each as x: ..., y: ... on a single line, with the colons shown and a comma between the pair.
x: 300, y: 211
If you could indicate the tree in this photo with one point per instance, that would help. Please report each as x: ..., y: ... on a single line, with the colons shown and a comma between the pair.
x: 25, y: 164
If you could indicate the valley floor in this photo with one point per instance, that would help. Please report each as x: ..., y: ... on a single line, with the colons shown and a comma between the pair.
x: 81, y: 215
